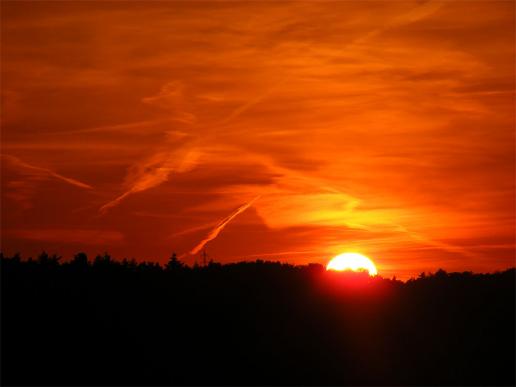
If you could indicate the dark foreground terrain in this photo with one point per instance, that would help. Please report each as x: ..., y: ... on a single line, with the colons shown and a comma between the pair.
x: 260, y: 323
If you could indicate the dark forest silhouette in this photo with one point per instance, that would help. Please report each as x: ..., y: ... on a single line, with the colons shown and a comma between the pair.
x: 110, y: 322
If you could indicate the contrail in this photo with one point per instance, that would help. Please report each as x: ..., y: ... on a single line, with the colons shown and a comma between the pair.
x: 45, y: 171
x: 125, y: 127
x: 254, y: 101
x: 441, y: 245
x: 220, y: 226
x: 417, y: 13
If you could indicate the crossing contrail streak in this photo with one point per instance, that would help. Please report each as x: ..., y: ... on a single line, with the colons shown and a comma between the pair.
x: 220, y: 226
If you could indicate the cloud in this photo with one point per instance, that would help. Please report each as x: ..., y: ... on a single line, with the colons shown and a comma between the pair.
x: 157, y: 168
x: 172, y: 98
x: 154, y: 171
x: 220, y: 226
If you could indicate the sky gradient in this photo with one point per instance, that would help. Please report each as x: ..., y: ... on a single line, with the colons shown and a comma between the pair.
x: 289, y: 131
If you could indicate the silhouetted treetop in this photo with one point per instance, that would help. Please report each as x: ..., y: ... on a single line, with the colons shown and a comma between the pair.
x: 174, y: 263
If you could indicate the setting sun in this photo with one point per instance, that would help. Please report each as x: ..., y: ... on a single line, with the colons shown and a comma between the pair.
x: 353, y: 262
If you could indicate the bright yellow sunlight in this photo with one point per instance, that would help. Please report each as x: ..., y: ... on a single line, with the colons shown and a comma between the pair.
x: 352, y: 261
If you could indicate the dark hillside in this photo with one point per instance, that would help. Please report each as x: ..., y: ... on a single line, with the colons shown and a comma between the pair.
x: 258, y: 323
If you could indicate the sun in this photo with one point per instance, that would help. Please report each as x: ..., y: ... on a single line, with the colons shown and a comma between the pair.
x: 353, y: 262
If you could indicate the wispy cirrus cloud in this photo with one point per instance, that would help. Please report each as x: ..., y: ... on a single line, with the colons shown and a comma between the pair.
x: 156, y: 168
x: 154, y: 171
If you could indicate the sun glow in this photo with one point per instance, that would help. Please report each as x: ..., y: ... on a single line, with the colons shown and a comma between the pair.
x: 353, y: 262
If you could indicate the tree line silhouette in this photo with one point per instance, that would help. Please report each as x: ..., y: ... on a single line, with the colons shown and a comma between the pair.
x: 108, y: 322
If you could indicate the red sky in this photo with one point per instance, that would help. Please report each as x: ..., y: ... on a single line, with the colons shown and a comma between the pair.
x: 277, y: 130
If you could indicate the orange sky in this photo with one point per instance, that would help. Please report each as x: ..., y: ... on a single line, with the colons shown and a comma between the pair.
x: 276, y: 130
